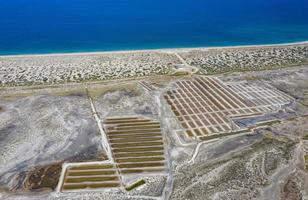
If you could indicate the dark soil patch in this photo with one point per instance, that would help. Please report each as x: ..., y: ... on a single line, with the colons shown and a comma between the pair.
x: 45, y: 177
x: 291, y: 191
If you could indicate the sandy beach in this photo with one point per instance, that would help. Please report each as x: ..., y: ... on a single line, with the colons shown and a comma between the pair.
x: 158, y: 50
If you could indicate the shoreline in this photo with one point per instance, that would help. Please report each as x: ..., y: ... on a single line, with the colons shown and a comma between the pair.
x: 162, y: 50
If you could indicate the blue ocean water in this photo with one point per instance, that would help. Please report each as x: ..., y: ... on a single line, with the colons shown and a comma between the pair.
x: 49, y: 26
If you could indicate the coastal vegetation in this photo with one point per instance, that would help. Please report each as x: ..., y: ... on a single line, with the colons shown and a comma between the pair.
x: 55, y: 69
x: 215, y: 61
x: 60, y: 69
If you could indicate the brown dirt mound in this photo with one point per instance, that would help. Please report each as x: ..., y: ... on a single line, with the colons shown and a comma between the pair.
x: 45, y: 177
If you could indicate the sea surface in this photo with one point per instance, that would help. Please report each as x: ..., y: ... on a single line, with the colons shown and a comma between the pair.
x: 58, y: 26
